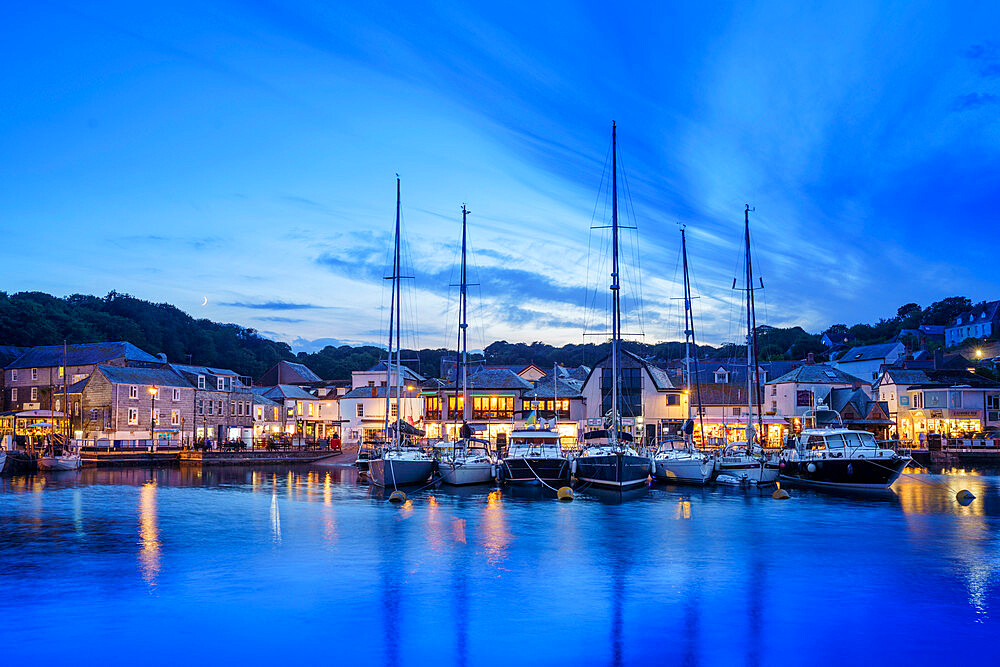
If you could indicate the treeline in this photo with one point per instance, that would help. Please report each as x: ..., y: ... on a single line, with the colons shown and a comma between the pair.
x: 35, y: 318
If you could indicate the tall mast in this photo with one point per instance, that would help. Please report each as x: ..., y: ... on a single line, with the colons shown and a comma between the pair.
x: 753, y: 372
x: 615, y: 305
x: 462, y: 348
x: 399, y: 351
x: 65, y: 383
x: 689, y: 342
x: 392, y: 315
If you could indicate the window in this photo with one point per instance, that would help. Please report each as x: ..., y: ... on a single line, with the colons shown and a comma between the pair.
x: 13, y: 375
x: 630, y: 386
x: 62, y: 371
x: 211, y: 407
x: 232, y: 407
x: 58, y: 405
x: 432, y: 407
x: 260, y: 413
x: 76, y: 409
x: 311, y: 410
x: 220, y: 384
x: 34, y: 394
x: 176, y: 394
x: 736, y: 412
x: 220, y: 406
x: 298, y: 407
x: 774, y: 390
x: 93, y: 415
x: 156, y: 416
x: 393, y: 410
x: 993, y: 401
x: 361, y: 409
x: 492, y: 407
x: 201, y: 407
x: 34, y: 373
x: 175, y: 417
x: 371, y: 383
x: 201, y: 382
x: 721, y: 376
x: 673, y: 399
x: 133, y: 416
x: 133, y: 391
x: 774, y: 406
x: 954, y: 399
x: 239, y: 408
x: 13, y: 394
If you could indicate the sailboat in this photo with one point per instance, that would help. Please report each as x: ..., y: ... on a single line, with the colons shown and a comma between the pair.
x: 469, y: 461
x: 397, y: 461
x: 676, y: 460
x: 66, y: 459
x: 609, y: 459
x: 746, y: 462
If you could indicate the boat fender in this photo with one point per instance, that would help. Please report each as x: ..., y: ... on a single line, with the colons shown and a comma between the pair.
x: 781, y: 494
x: 861, y: 456
x: 572, y: 467
x: 781, y: 464
x: 397, y: 497
x: 564, y: 494
x: 964, y: 497
x: 811, y: 467
x: 850, y: 469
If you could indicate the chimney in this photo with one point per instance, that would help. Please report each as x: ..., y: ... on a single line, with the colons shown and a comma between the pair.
x: 810, y: 359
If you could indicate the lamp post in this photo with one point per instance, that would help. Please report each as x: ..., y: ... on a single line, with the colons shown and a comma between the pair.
x: 152, y: 417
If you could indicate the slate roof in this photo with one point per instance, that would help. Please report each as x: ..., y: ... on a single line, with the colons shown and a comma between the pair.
x: 867, y: 352
x: 841, y: 398
x: 988, y: 312
x: 408, y: 373
x: 906, y: 376
x: 261, y: 399
x: 817, y: 374
x: 737, y: 370
x: 956, y: 378
x: 282, y: 391
x: 561, y: 387
x: 164, y: 376
x: 78, y: 386
x: 720, y: 393
x: 496, y: 378
x: 50, y: 356
x: 8, y: 353
x: 289, y: 372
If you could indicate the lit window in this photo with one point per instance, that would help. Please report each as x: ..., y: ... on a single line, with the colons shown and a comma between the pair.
x: 62, y: 371
x: 175, y: 417
x: 393, y: 410
x: 133, y: 416
x: 311, y: 408
x: 298, y: 407
x: 260, y: 414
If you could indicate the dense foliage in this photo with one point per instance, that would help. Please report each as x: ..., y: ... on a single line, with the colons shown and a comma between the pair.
x: 35, y: 318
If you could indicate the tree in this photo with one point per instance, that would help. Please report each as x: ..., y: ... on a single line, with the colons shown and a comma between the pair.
x: 947, y: 310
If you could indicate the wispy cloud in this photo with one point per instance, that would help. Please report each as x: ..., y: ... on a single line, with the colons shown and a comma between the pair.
x: 272, y: 305
x: 281, y: 320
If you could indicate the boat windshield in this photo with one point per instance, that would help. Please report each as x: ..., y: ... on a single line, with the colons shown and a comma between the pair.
x: 668, y: 445
x: 855, y: 439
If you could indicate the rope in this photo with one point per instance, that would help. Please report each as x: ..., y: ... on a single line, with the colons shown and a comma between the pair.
x: 917, y: 477
x: 539, y: 478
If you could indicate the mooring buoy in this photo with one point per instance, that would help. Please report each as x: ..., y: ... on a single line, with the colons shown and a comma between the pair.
x: 565, y: 494
x: 397, y: 497
x: 964, y: 497
x: 781, y: 494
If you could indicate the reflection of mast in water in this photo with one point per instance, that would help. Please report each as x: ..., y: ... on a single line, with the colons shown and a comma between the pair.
x: 758, y: 584
x: 461, y: 587
x: 392, y: 552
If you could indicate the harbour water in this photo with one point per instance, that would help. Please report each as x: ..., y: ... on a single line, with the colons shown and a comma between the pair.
x: 306, y: 566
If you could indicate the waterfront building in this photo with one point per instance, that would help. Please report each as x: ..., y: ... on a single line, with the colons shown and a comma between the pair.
x: 222, y: 404
x: 866, y: 361
x: 267, y: 422
x: 859, y: 411
x: 125, y: 406
x: 35, y: 379
x: 725, y: 411
x: 799, y: 392
x: 362, y: 411
x: 946, y: 402
x: 558, y: 399
x: 301, y: 416
x: 495, y: 397
x: 650, y: 404
x: 980, y: 322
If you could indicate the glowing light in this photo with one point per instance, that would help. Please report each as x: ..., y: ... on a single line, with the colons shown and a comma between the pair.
x: 149, y: 535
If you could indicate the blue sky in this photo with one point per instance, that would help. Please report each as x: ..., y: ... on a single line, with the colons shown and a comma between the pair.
x: 245, y: 153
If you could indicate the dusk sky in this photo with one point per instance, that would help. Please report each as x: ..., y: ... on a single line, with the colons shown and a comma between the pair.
x: 245, y: 153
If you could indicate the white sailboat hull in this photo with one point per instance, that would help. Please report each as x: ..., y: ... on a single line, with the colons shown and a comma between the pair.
x: 682, y: 471
x: 56, y: 463
x: 464, y: 474
x: 748, y: 468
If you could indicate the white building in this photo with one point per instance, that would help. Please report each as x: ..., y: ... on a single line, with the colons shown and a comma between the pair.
x: 867, y: 361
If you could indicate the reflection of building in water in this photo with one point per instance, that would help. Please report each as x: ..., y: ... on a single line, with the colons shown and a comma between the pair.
x: 275, y: 513
x: 149, y: 555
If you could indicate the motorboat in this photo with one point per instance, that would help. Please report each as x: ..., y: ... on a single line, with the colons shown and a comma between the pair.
x: 676, y: 461
x: 840, y: 458
x: 469, y: 462
x: 535, y: 456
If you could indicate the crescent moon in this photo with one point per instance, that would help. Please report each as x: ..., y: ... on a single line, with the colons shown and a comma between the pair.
x: 205, y: 302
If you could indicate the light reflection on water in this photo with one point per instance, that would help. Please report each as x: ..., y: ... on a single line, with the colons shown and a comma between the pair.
x: 308, y: 564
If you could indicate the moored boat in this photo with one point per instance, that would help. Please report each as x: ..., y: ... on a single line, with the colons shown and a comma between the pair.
x: 677, y: 462
x: 745, y: 463
x: 400, y: 466
x: 840, y: 458
x: 60, y: 462
x: 468, y: 463
x: 535, y: 456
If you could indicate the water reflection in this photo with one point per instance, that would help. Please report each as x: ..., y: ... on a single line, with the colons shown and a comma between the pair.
x: 149, y: 535
x: 496, y: 537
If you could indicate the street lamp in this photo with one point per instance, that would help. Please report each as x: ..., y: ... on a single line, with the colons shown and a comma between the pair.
x: 152, y: 416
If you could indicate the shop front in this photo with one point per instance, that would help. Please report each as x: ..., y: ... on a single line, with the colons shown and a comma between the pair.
x: 949, y: 422
x: 720, y: 431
